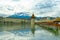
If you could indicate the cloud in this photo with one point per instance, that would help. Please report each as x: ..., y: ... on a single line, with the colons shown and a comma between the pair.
x: 44, y: 5
x: 47, y: 8
x: 23, y: 5
x: 16, y: 0
x: 39, y: 7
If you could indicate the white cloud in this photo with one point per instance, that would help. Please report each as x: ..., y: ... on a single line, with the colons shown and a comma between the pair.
x: 50, y: 7
x: 47, y: 8
x: 23, y: 5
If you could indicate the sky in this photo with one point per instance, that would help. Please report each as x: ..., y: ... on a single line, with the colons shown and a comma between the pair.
x: 38, y: 7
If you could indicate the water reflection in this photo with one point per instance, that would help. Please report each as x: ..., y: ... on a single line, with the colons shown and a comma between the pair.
x: 21, y: 26
x: 25, y: 31
x: 54, y: 30
x: 33, y: 30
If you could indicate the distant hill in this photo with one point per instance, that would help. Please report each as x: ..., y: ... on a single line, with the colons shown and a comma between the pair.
x: 20, y: 15
x: 23, y: 15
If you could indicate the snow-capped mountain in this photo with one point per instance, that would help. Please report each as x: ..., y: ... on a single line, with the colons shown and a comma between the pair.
x: 20, y: 15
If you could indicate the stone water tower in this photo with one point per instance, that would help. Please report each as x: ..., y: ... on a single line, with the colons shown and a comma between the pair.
x: 33, y: 23
x: 32, y: 19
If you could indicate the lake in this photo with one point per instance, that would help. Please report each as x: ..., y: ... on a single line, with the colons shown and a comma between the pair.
x: 24, y: 31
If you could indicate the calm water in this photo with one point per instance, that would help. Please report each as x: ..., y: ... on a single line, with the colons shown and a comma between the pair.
x: 24, y: 31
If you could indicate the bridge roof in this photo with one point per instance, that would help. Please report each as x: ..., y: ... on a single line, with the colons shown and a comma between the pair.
x: 57, y: 19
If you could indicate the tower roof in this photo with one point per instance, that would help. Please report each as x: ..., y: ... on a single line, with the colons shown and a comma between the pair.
x: 33, y: 16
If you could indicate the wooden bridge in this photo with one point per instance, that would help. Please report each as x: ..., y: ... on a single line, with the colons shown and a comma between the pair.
x: 53, y: 23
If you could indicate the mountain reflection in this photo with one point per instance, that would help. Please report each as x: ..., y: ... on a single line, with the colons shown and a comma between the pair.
x: 21, y: 26
x: 26, y: 30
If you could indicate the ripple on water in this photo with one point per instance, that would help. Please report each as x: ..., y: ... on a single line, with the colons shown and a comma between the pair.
x: 27, y: 35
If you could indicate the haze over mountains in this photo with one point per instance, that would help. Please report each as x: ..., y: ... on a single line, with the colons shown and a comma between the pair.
x: 25, y: 15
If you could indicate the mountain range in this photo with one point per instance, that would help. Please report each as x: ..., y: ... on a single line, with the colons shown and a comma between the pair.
x: 23, y: 15
x: 20, y: 15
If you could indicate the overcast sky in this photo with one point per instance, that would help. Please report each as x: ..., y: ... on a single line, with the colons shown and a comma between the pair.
x: 38, y: 7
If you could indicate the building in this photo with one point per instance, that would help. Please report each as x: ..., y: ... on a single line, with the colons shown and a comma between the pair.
x: 17, y: 20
